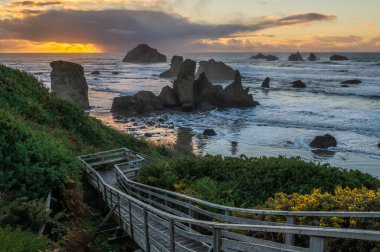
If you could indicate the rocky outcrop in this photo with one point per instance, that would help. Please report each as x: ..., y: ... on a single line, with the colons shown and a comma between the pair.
x: 215, y: 71
x: 265, y: 83
x: 323, y: 142
x: 295, y: 57
x: 69, y: 83
x: 174, y: 67
x: 187, y: 94
x: 272, y: 58
x: 236, y: 96
x: 312, y: 57
x: 184, y: 84
x: 351, y: 82
x: 143, y: 102
x: 266, y: 57
x: 207, y: 95
x: 209, y: 132
x: 144, y: 54
x: 338, y: 58
x: 168, y: 97
x: 298, y: 84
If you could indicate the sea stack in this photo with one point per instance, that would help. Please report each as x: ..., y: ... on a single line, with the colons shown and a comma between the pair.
x: 298, y: 84
x: 174, y: 67
x: 265, y: 83
x: 295, y: 57
x: 312, y: 57
x: 183, y: 85
x: 216, y: 70
x: 338, y: 58
x: 69, y: 83
x: 144, y: 54
x: 266, y: 57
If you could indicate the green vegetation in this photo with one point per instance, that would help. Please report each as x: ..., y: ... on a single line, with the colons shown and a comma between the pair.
x: 14, y: 240
x: 40, y: 138
x: 246, y: 182
x: 41, y: 135
x: 342, y: 199
x: 278, y: 184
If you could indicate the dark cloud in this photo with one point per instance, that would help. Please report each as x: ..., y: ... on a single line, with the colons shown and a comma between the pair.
x: 116, y: 30
x: 34, y: 3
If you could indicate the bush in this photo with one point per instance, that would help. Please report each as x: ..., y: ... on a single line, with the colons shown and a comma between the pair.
x: 342, y: 199
x: 249, y: 181
x: 30, y: 215
x: 16, y: 240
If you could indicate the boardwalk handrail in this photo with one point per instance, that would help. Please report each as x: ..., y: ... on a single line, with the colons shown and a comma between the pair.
x: 316, y: 234
x: 342, y: 214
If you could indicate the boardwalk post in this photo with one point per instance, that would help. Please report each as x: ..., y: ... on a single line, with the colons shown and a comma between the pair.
x: 105, y: 195
x: 111, y: 198
x: 119, y: 210
x: 216, y: 240
x: 146, y: 232
x: 289, y: 238
x: 130, y: 219
x: 98, y: 191
x: 172, y: 235
x: 318, y: 244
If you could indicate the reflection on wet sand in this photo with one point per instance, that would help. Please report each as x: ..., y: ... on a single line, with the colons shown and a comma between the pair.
x: 184, y: 143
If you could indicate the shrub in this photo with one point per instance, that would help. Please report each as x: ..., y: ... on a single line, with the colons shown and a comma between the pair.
x: 249, y: 181
x: 16, y: 240
x: 342, y: 199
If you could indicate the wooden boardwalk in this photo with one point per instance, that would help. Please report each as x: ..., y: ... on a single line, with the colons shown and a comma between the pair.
x: 161, y: 220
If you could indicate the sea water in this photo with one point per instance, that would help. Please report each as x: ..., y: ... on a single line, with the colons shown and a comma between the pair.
x: 284, y: 123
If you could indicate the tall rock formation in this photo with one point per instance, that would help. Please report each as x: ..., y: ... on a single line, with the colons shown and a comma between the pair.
x: 69, y: 83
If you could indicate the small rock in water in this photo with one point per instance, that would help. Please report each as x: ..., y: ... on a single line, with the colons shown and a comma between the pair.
x: 298, y: 84
x: 344, y: 85
x: 135, y: 124
x: 115, y: 73
x: 355, y: 81
x: 148, y: 135
x: 378, y: 145
x: 265, y: 83
x: 95, y: 72
x: 323, y: 142
x: 209, y: 132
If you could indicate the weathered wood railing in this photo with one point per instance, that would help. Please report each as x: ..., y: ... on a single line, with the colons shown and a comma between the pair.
x: 167, y: 221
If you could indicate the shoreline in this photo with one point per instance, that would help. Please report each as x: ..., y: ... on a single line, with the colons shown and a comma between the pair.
x: 186, y: 141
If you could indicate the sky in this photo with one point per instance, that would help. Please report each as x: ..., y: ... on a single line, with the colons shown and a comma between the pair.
x: 175, y: 26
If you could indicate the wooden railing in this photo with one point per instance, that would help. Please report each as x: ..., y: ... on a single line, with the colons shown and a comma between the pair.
x: 155, y: 218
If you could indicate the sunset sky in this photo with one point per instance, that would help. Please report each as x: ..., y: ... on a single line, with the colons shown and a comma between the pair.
x: 189, y: 25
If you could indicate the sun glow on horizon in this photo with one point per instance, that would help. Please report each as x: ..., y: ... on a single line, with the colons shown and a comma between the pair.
x: 22, y: 46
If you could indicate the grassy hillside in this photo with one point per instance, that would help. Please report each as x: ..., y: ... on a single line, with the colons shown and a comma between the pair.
x: 40, y: 138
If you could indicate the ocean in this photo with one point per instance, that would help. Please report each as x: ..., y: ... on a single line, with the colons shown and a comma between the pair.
x: 284, y: 124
